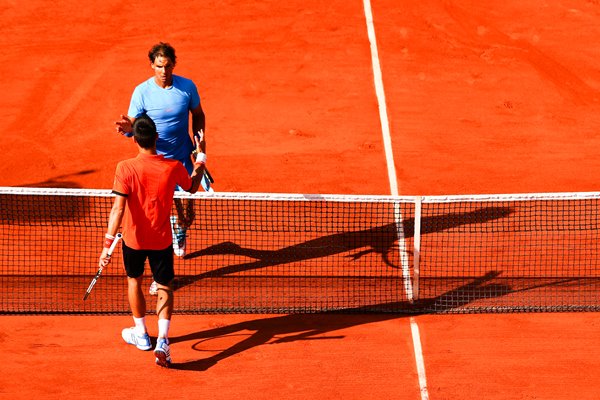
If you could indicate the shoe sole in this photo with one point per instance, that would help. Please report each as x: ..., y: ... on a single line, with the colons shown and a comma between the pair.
x: 161, y: 359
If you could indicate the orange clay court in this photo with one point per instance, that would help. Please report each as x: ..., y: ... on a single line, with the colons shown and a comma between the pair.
x: 482, y: 97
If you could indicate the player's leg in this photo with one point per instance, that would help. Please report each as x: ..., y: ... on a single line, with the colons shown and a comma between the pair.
x: 185, y: 212
x: 179, y: 238
x: 164, y: 310
x: 134, y: 267
x: 179, y: 225
x: 161, y: 263
x: 136, y: 297
x: 185, y: 216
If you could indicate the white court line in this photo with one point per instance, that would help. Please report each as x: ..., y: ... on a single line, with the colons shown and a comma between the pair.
x: 385, y: 128
x: 385, y: 124
x: 389, y: 154
x: 414, y: 328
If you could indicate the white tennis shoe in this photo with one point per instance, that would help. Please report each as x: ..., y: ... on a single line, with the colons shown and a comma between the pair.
x: 162, y: 353
x: 141, y: 342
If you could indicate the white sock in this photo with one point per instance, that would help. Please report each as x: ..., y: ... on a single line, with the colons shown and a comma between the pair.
x: 140, y: 325
x: 163, y: 328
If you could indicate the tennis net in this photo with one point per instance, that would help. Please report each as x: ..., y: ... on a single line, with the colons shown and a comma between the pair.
x: 288, y: 253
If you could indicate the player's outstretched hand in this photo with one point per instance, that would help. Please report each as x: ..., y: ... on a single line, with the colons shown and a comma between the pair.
x: 200, y: 142
x: 124, y: 125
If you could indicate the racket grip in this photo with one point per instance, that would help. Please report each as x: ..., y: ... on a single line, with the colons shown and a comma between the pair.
x: 114, y: 244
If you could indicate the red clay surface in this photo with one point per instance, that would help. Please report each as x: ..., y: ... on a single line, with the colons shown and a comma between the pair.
x: 482, y: 96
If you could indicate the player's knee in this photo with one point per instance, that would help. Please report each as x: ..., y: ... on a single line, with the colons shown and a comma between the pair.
x: 134, y: 281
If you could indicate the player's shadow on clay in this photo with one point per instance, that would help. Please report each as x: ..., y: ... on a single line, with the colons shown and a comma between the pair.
x: 52, y: 208
x: 62, y: 181
x: 319, y: 326
x: 380, y: 240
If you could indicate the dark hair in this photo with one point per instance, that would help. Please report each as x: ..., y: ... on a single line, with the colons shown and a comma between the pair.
x: 144, y: 132
x: 162, y: 50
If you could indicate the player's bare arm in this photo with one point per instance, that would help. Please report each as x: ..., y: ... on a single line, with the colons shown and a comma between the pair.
x: 114, y: 222
x: 199, y: 123
x: 199, y: 165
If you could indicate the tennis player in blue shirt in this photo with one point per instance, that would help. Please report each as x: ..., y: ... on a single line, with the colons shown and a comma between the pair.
x: 169, y: 100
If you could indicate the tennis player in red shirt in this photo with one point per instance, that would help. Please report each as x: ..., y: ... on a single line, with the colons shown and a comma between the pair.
x: 144, y: 188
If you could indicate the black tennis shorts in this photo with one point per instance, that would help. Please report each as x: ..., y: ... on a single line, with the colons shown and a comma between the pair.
x: 161, y: 263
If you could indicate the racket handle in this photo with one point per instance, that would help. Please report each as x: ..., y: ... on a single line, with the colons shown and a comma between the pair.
x: 114, y: 244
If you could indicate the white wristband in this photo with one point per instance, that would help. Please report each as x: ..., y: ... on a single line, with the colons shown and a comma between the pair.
x: 201, y: 158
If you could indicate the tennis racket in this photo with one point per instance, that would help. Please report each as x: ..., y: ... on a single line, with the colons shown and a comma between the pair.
x: 93, y: 282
